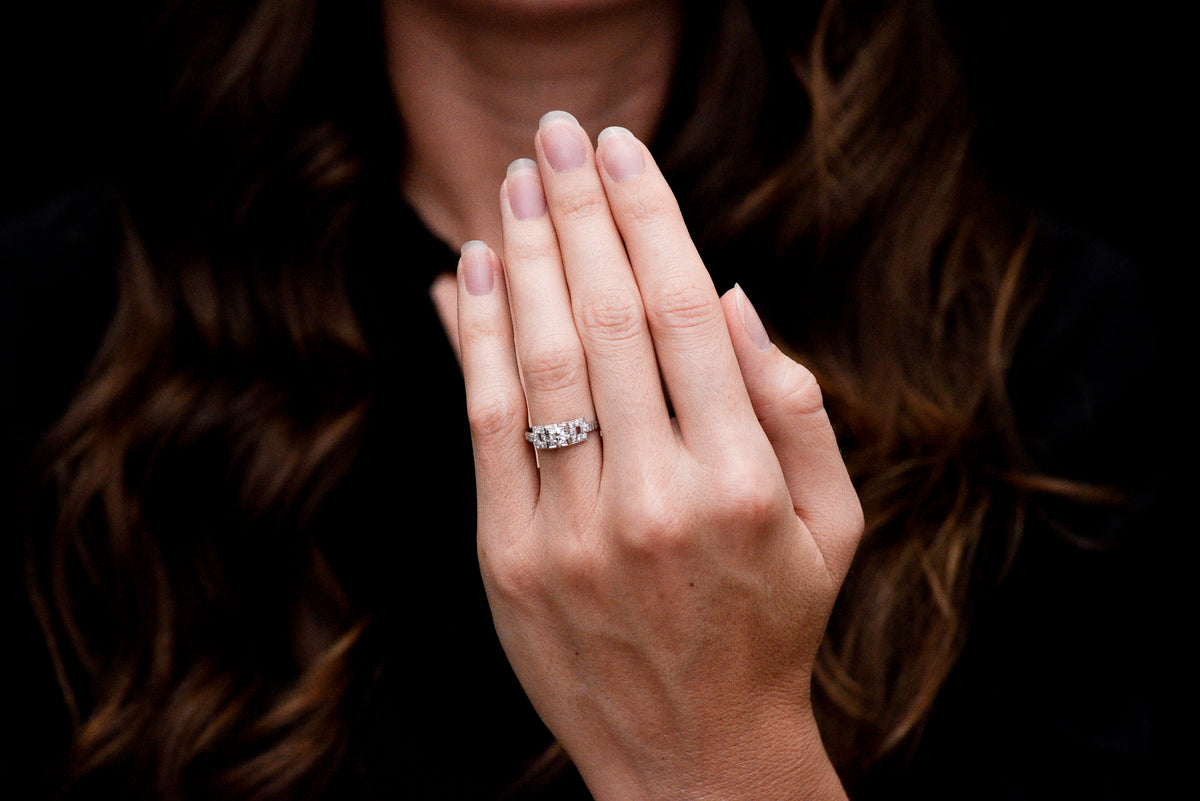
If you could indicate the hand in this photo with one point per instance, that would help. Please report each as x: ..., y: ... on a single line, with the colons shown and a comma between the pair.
x: 661, y: 589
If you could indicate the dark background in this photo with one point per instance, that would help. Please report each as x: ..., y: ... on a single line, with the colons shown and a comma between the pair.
x: 1078, y: 102
x: 1082, y: 107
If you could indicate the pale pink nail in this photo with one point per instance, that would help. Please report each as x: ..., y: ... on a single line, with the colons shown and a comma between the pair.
x: 477, y: 267
x: 562, y: 141
x: 752, y: 322
x: 620, y: 153
x: 526, y: 197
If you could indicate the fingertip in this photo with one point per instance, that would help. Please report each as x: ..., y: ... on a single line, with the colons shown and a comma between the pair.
x: 746, y: 328
x: 522, y: 190
x: 563, y: 143
x: 473, y: 248
x: 554, y: 115
x: 517, y: 165
x: 777, y: 383
x: 752, y: 324
x: 620, y: 153
x: 477, y: 265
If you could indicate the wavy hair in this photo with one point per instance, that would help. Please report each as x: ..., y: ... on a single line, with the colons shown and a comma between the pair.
x: 230, y: 393
x: 901, y: 279
x: 204, y: 646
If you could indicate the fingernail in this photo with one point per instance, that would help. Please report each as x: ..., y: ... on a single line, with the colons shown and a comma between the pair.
x: 526, y: 197
x: 752, y: 322
x: 620, y: 153
x: 477, y: 267
x: 562, y: 141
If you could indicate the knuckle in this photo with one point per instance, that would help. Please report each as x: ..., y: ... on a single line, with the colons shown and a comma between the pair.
x: 474, y: 330
x: 495, y: 414
x: 684, y: 305
x: 649, y: 526
x: 749, y: 498
x: 855, y: 522
x: 579, y: 204
x: 800, y: 394
x: 612, y: 316
x: 579, y: 567
x: 513, y: 574
x: 518, y: 250
x: 553, y: 366
x: 858, y: 522
x: 648, y: 206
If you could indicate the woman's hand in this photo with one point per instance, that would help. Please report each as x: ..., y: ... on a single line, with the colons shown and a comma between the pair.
x: 660, y: 590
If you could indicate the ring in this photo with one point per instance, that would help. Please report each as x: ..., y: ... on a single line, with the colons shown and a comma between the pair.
x: 561, y: 435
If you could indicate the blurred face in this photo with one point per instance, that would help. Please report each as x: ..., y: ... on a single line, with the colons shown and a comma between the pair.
x: 541, y: 5
x: 537, y: 6
x: 530, y: 9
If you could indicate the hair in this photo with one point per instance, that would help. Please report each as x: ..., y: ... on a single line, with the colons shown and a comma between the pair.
x: 204, y: 645
x: 898, y: 276
x: 229, y: 396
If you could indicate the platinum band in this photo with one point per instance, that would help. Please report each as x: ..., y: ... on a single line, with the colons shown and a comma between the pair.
x: 561, y: 435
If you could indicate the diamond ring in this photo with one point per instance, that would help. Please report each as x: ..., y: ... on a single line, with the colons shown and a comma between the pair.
x: 561, y: 435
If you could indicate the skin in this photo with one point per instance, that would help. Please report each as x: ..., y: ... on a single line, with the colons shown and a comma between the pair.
x: 474, y: 76
x: 661, y: 589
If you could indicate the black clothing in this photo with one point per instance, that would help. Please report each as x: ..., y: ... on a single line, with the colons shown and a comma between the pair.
x: 446, y: 717
x: 1047, y: 701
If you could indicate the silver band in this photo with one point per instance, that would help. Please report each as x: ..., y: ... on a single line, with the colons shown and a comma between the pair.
x: 561, y: 435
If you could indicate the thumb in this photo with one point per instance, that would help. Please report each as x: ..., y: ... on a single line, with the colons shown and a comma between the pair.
x: 790, y: 408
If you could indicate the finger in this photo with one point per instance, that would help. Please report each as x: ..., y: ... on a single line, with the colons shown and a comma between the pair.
x: 551, y: 358
x: 607, y: 305
x: 682, y: 308
x: 505, y: 473
x: 788, y: 404
x: 444, y: 294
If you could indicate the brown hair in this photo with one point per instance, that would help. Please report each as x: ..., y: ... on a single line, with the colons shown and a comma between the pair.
x: 899, y: 277
x: 204, y: 646
x: 894, y: 274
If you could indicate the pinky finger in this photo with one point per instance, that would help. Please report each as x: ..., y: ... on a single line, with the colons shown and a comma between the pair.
x: 789, y: 406
x: 505, y: 471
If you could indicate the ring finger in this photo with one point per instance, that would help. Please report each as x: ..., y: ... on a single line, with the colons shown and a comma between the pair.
x: 551, y: 358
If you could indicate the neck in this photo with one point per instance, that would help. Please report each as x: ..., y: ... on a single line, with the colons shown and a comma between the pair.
x: 470, y: 86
